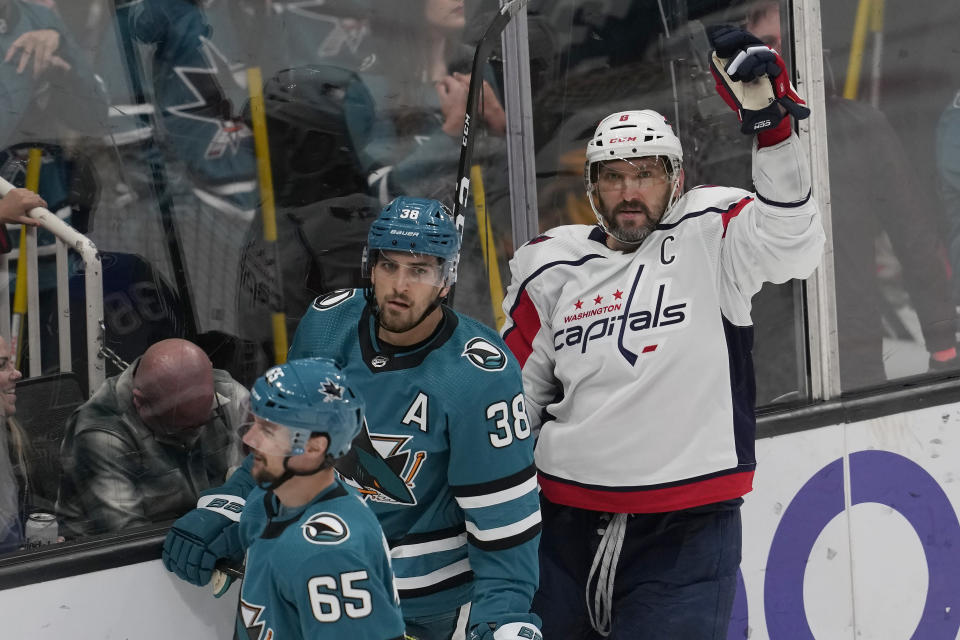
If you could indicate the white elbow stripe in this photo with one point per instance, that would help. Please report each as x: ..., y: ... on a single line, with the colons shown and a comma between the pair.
x: 226, y: 505
x: 430, y: 546
x: 498, y: 497
x: 506, y: 536
x: 444, y: 578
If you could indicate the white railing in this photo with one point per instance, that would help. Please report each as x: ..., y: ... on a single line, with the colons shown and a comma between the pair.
x: 66, y: 238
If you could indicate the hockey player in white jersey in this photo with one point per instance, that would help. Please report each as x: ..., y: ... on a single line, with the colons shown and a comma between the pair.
x: 634, y: 337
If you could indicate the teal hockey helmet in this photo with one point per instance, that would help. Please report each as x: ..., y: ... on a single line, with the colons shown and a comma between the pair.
x: 416, y: 225
x: 309, y: 396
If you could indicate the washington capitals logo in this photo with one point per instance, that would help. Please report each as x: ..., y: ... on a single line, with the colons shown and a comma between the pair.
x: 484, y: 355
x: 210, y: 105
x: 331, y: 391
x: 325, y: 528
x: 377, y: 465
x: 252, y: 616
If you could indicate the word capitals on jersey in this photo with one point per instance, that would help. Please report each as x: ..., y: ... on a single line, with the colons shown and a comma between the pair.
x: 617, y: 317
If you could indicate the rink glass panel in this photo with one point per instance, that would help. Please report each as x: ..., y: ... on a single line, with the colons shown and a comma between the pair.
x: 149, y: 149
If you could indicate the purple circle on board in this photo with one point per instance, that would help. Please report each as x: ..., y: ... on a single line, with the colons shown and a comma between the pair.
x: 880, y: 477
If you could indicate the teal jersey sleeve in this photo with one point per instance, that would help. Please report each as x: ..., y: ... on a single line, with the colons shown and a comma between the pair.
x: 493, y: 478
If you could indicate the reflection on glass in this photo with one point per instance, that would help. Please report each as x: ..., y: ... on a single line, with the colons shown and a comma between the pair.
x: 142, y: 110
x: 894, y: 309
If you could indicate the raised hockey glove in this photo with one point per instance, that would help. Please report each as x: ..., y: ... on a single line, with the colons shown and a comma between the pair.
x: 752, y: 79
x: 510, y: 631
x: 200, y: 538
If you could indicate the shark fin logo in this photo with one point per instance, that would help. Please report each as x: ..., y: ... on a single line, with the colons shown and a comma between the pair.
x: 325, y: 528
x: 253, y: 622
x: 332, y: 299
x: 485, y: 355
x: 379, y: 467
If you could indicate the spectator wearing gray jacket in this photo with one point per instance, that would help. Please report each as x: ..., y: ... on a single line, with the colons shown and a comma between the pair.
x: 144, y: 446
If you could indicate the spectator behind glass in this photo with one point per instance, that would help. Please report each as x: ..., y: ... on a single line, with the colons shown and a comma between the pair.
x: 13, y: 442
x: 418, y: 82
x: 149, y: 441
x: 42, y: 72
x: 873, y: 189
x: 12, y: 460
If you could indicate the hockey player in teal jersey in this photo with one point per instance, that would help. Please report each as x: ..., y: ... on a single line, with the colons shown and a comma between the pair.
x: 317, y: 562
x: 446, y: 459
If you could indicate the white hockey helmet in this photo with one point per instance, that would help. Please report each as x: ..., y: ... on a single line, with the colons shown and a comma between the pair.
x: 632, y: 134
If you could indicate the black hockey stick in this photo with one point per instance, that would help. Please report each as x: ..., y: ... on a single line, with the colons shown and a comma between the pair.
x: 487, y: 41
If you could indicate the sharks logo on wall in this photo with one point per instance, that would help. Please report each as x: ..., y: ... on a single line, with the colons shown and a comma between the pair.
x: 381, y: 469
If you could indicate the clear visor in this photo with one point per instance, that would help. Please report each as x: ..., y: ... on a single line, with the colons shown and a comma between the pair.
x: 635, y: 173
x: 272, y: 439
x: 410, y: 267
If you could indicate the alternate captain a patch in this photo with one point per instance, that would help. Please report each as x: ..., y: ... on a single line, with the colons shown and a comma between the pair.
x: 325, y: 528
x: 484, y: 355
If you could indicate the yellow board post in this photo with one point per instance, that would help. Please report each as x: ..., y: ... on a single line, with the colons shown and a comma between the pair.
x: 857, y: 44
x: 267, y: 205
x: 34, y: 160
x: 488, y: 246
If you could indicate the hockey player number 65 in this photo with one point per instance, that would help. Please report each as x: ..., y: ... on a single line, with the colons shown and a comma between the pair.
x: 520, y: 427
x: 325, y: 601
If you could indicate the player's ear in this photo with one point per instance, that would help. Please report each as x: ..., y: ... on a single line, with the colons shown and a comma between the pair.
x: 317, y: 445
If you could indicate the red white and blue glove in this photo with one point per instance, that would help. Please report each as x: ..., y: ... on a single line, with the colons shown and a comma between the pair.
x: 752, y: 79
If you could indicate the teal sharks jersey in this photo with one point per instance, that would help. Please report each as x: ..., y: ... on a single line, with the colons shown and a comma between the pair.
x: 317, y: 571
x: 445, y: 459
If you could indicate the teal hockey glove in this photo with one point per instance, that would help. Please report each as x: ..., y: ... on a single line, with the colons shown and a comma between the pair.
x: 510, y: 631
x: 201, y: 537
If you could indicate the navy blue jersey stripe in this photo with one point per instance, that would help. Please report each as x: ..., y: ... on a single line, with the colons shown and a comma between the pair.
x: 549, y: 265
x: 743, y: 390
x: 785, y: 205
x: 697, y: 214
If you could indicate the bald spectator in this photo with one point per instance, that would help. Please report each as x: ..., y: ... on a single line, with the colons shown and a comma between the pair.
x: 149, y: 441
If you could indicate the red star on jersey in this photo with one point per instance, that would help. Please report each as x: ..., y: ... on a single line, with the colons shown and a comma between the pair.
x: 598, y: 299
x: 578, y: 304
x: 618, y: 294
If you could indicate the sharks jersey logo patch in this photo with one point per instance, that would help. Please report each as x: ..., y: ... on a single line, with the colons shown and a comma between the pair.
x: 325, y: 528
x: 332, y: 299
x: 484, y: 355
x: 380, y: 468
x: 253, y: 621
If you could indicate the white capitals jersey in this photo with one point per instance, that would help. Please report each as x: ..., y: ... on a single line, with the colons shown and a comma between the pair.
x: 638, y: 365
